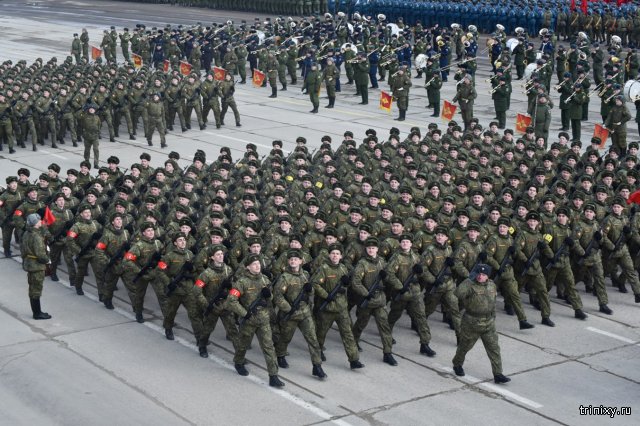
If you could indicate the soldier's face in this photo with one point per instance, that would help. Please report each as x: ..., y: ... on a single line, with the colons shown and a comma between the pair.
x: 617, y: 209
x: 589, y: 214
x: 60, y: 202
x: 372, y: 251
x: 503, y: 229
x: 441, y: 238
x: 405, y: 245
x: 218, y: 257
x: 482, y: 278
x: 254, y: 267
x: 335, y: 256
x: 86, y: 214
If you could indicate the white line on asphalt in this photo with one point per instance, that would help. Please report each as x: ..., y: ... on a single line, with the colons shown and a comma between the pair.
x: 255, y: 379
x: 53, y: 155
x: 493, y: 388
x: 613, y: 336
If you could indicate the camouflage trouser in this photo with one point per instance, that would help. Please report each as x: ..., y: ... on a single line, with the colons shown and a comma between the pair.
x: 241, y: 70
x: 596, y: 273
x: 35, y: 280
x: 565, y: 283
x: 259, y: 325
x: 209, y: 324
x: 443, y: 294
x: 137, y: 290
x: 139, y: 112
x: 172, y: 109
x: 212, y: 104
x: 82, y: 267
x: 308, y: 329
x: 6, y: 131
x: 27, y: 126
x: 226, y: 104
x: 509, y: 289
x: 292, y: 71
x: 185, y: 298
x: 472, y: 329
x: 117, y: 119
x: 325, y: 320
x: 47, y: 124
x: 622, y: 258
x: 7, y: 232
x: 57, y: 251
x: 415, y: 308
x: 89, y: 143
x: 109, y: 278
x: 108, y: 118
x: 187, y: 113
x: 156, y: 123
x: 537, y: 288
x: 382, y: 321
x: 68, y: 122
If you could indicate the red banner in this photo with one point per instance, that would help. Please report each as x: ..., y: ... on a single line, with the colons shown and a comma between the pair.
x: 522, y: 122
x: 166, y: 65
x: 48, y: 218
x: 185, y: 68
x: 599, y: 131
x: 218, y: 73
x: 386, y: 101
x: 258, y: 78
x: 583, y: 6
x: 96, y: 52
x: 137, y: 61
x: 448, y: 110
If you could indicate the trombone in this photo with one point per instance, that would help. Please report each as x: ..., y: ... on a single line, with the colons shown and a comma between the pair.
x: 597, y: 90
x: 492, y: 91
x: 457, y: 63
x: 428, y: 83
x: 558, y: 86
x: 490, y: 79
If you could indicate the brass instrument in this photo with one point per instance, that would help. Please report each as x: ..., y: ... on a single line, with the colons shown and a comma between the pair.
x: 355, y: 60
x: 457, y: 63
x: 596, y: 89
x: 428, y: 83
x: 492, y: 91
x: 580, y: 80
x: 558, y: 86
x: 490, y: 79
x: 606, y: 101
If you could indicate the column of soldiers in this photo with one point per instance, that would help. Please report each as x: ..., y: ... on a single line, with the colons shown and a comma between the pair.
x: 404, y: 221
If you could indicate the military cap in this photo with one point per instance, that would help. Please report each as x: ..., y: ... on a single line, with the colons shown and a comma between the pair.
x: 23, y: 171
x: 294, y: 253
x: 474, y: 226
x: 533, y: 215
x: 619, y: 201
x: 578, y: 195
x: 590, y: 206
x: 503, y: 220
x: 449, y: 199
x: 405, y: 237
x: 216, y: 232
x: 54, y: 167
x: 10, y: 179
x: 442, y: 230
x: 84, y: 206
x: 284, y: 219
x: 254, y: 240
x: 483, y: 269
x: 335, y: 246
x: 151, y: 199
x: 251, y: 258
x: 371, y: 242
x: 185, y: 221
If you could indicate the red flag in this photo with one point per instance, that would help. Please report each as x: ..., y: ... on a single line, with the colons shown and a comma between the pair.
x: 218, y: 73
x: 258, y: 78
x: 573, y: 5
x: 165, y: 65
x: 583, y: 6
x: 599, y: 131
x: 522, y: 122
x: 185, y: 68
x: 137, y: 61
x: 386, y: 101
x: 48, y: 218
x: 619, y: 2
x: 634, y: 198
x: 448, y: 110
x: 96, y: 52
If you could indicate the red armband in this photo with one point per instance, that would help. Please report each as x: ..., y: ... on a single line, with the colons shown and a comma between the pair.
x: 17, y: 213
x: 200, y: 283
x: 235, y: 292
x: 101, y: 246
x: 72, y: 234
x: 162, y: 265
x: 130, y: 256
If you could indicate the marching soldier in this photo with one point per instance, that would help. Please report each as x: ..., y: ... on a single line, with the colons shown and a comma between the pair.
x: 330, y: 75
x: 9, y: 202
x: 617, y: 124
x: 191, y: 94
x: 110, y: 251
x: 478, y: 297
x: 227, y: 89
x: 312, y: 85
x: 155, y: 114
x: 465, y: 95
x: 81, y: 240
x: 91, y: 135
x: 400, y: 85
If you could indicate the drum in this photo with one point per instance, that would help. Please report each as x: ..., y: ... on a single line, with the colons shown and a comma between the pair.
x: 538, y: 55
x: 421, y: 61
x: 352, y: 47
x: 528, y: 71
x: 512, y: 43
x: 395, y: 30
x: 632, y: 90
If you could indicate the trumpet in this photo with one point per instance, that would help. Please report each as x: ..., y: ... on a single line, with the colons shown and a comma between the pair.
x: 606, y: 101
x: 428, y: 83
x: 490, y: 79
x: 492, y: 91
x: 558, y: 86
x: 597, y: 90
x: 527, y: 83
x: 457, y: 63
x: 355, y: 60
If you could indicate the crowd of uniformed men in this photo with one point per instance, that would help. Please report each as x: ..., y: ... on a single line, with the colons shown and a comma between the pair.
x: 385, y: 224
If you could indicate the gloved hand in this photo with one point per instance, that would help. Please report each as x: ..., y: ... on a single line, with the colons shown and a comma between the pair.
x: 307, y: 288
x: 569, y: 241
x: 418, y: 269
x: 511, y: 250
x: 188, y: 266
x: 449, y: 261
x: 383, y: 274
x: 626, y: 229
x: 541, y: 245
x: 171, y: 288
x: 345, y: 280
x: 597, y: 235
x: 157, y: 256
x: 266, y: 292
x: 483, y: 256
x: 342, y: 290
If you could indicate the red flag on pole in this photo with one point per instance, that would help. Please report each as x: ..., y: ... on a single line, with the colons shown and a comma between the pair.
x: 165, y: 65
x: 573, y: 5
x: 601, y: 132
x: 185, y: 68
x: 218, y: 73
x: 386, y: 101
x: 634, y: 198
x: 48, y: 218
x: 96, y: 52
x: 583, y: 6
x: 448, y: 110
x: 258, y: 78
x: 522, y: 122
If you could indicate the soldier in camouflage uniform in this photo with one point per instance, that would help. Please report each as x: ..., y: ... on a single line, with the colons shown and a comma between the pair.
x: 249, y: 298
x: 110, y: 251
x: 478, y: 297
x: 34, y: 259
x: 331, y: 304
x: 91, y: 135
x: 293, y: 296
x: 81, y: 242
x: 367, y: 273
x: 57, y: 240
x: 9, y: 202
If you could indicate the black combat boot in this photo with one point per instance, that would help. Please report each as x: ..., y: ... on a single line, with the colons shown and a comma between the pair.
x: 580, y: 314
x: 318, y: 371
x: 108, y: 303
x: 525, y: 325
x: 241, y: 369
x: 605, y: 310
x: 501, y: 378
x: 355, y: 364
x: 139, y: 317
x: 284, y: 88
x: 274, y: 92
x: 168, y: 333
x: 547, y: 321
x: 275, y: 382
x: 37, y: 311
x: 389, y: 359
x: 426, y: 350
x: 282, y: 362
x: 458, y: 370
